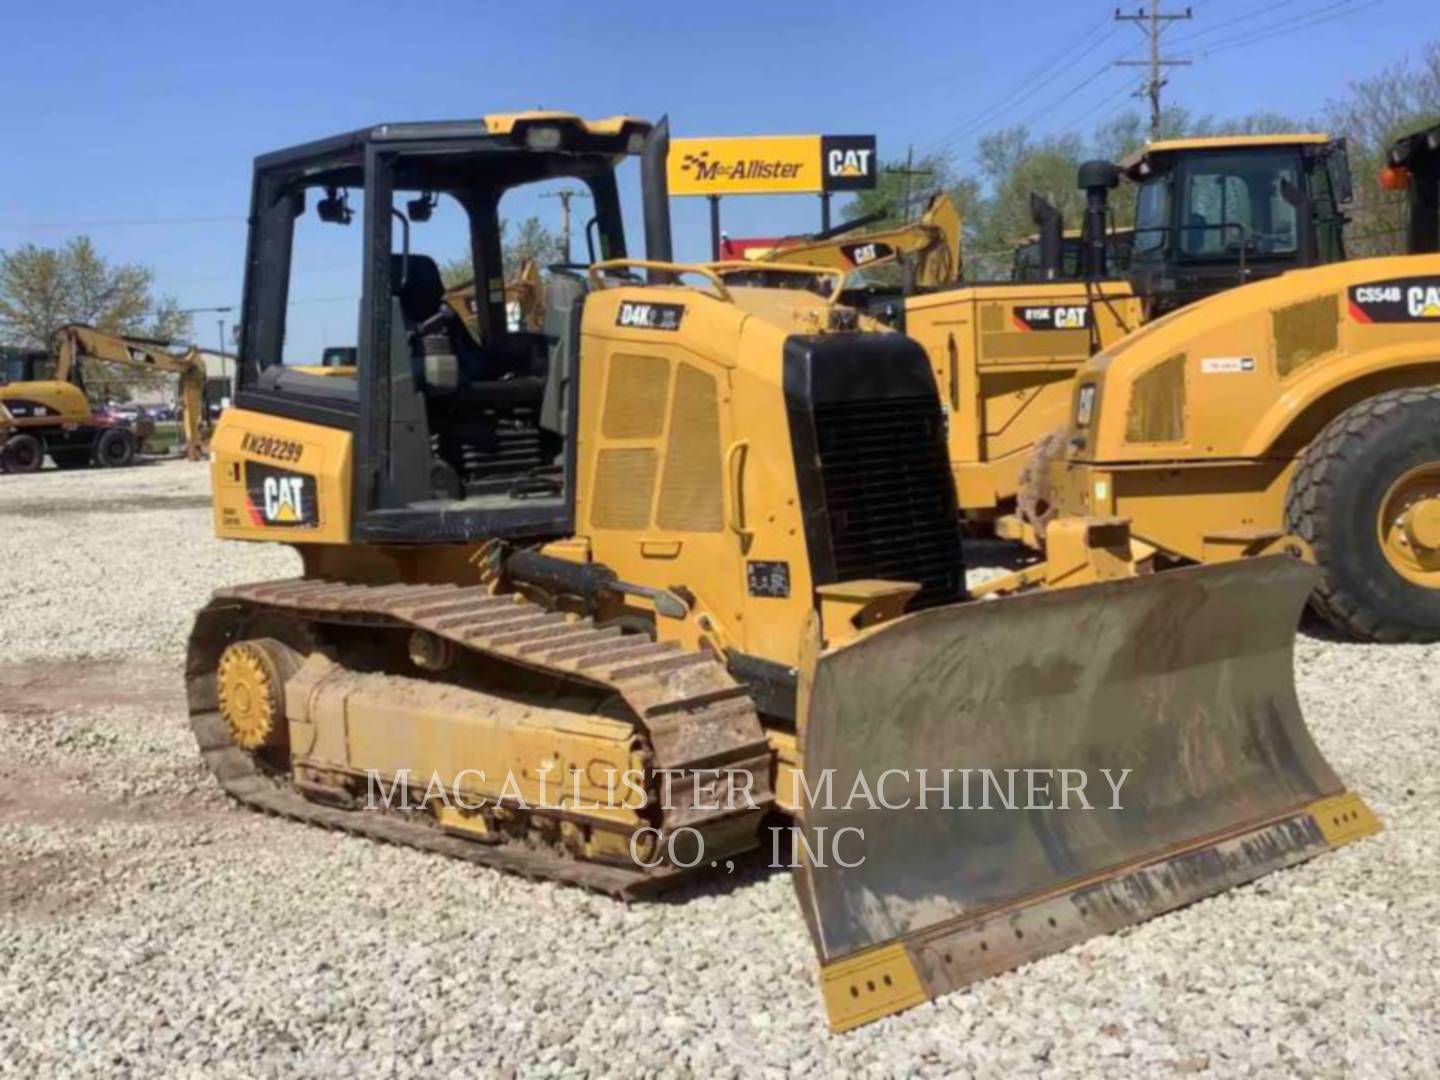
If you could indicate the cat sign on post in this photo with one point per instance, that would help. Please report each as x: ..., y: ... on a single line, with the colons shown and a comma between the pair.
x: 770, y: 165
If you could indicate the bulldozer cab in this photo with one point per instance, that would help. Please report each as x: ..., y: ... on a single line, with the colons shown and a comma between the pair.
x: 459, y: 426
x: 1212, y: 213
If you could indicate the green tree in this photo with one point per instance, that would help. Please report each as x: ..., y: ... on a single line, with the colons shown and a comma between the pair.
x: 1371, y: 115
x: 43, y: 288
x: 531, y: 241
x: 887, y: 197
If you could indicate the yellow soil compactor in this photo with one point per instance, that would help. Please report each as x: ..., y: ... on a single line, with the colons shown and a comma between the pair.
x: 703, y: 538
x: 1308, y: 405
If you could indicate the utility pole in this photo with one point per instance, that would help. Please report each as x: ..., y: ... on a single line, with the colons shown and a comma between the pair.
x: 565, y: 195
x: 909, y: 172
x: 1153, y: 22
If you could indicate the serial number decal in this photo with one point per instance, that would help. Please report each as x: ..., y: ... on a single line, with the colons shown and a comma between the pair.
x: 1227, y: 365
x: 1399, y: 300
x: 1052, y: 317
x: 649, y: 316
x: 770, y: 579
x: 287, y: 450
x: 280, y: 498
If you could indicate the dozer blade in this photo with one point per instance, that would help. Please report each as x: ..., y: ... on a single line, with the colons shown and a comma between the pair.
x: 1184, y: 678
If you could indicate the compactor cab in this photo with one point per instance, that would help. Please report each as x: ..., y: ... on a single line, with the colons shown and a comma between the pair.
x: 1212, y: 213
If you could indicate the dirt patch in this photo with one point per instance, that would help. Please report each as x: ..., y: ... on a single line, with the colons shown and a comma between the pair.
x: 49, y: 686
x: 47, y: 885
x: 137, y: 504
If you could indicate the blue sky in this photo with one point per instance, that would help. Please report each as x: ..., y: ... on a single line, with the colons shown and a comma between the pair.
x: 136, y: 123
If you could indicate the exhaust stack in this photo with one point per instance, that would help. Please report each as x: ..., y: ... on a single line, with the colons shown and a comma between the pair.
x: 1097, y: 179
x: 655, y: 188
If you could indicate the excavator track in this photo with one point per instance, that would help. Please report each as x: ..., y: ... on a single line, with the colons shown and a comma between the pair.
x: 690, y: 712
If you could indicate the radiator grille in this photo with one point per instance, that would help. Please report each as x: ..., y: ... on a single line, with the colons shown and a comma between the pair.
x: 624, y: 488
x: 691, y: 496
x: 889, y: 495
x: 635, y: 397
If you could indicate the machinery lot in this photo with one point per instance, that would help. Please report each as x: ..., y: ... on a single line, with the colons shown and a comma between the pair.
x: 145, y: 923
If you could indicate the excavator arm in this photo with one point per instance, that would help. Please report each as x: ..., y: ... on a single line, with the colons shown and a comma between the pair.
x: 933, y: 241
x: 75, y: 343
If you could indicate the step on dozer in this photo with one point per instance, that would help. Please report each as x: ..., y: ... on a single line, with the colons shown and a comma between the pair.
x: 706, y: 536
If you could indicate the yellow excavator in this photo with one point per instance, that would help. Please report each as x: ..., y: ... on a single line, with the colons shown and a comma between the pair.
x: 1006, y: 353
x: 46, y: 410
x: 1306, y: 405
x: 928, y: 251
x: 604, y: 604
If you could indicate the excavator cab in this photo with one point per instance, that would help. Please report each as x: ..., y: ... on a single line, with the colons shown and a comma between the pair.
x: 1212, y: 213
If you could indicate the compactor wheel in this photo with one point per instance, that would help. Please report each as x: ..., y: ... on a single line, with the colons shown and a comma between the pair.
x: 1367, y: 497
x: 251, y: 684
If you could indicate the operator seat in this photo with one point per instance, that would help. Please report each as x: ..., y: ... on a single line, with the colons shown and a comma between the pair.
x: 450, y: 364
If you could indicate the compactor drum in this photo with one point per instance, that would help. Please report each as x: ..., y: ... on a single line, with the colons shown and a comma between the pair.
x: 604, y: 603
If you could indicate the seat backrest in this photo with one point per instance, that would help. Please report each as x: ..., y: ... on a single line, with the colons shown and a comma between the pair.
x: 564, y: 293
x: 415, y: 281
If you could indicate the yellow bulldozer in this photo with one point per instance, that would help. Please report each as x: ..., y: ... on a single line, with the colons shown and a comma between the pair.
x: 46, y: 409
x: 604, y: 604
x: 1306, y: 405
x: 1211, y: 214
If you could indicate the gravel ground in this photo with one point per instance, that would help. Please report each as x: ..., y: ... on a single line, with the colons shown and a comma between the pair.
x: 149, y: 928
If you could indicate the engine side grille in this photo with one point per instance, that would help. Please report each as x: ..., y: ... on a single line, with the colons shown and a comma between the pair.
x: 889, y: 495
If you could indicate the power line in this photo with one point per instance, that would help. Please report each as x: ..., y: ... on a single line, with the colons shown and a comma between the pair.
x: 1155, y: 22
x: 1341, y: 9
x: 1046, y: 73
x: 1196, y: 35
x: 114, y: 223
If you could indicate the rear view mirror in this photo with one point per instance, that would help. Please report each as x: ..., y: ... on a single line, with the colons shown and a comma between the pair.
x: 335, y: 207
x: 420, y: 209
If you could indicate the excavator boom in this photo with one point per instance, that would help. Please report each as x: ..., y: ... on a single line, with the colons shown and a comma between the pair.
x: 76, y: 343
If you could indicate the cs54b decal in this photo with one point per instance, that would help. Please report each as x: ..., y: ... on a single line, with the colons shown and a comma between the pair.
x: 279, y: 498
x: 1052, y: 317
x: 650, y: 316
x: 1396, y: 301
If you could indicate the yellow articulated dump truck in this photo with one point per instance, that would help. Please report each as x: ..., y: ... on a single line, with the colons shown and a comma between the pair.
x: 604, y: 603
x: 1307, y: 405
x: 49, y: 413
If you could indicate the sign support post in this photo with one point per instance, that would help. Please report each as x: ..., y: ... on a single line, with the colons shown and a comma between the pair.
x: 714, y: 227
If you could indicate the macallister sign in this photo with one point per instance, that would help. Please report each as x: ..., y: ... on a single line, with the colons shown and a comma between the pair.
x: 772, y: 164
